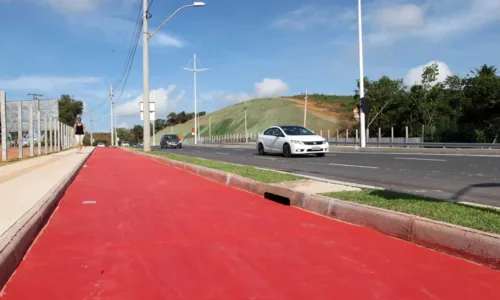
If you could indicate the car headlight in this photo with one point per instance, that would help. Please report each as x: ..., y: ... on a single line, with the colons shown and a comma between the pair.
x: 325, y: 142
x: 297, y: 142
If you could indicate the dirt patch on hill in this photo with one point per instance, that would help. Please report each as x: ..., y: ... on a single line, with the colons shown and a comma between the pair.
x: 322, y: 109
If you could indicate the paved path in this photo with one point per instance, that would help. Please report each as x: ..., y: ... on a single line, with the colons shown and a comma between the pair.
x: 452, y: 177
x: 155, y: 232
x: 24, y: 183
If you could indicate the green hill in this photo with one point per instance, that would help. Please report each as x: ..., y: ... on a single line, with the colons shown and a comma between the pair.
x: 262, y: 113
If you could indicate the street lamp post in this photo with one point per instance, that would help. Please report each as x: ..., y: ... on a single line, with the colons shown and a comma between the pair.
x: 361, y: 79
x: 196, y: 118
x: 145, y: 64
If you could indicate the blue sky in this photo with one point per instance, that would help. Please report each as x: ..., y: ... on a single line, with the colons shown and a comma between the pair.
x: 254, y: 48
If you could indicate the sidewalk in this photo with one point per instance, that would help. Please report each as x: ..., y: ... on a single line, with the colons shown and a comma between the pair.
x: 24, y: 183
x: 131, y: 228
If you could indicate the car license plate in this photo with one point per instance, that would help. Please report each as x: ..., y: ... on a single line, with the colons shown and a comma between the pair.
x: 316, y: 148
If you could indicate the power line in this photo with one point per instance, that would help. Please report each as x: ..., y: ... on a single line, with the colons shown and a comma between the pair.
x: 135, y: 35
x: 130, y: 56
x: 130, y: 65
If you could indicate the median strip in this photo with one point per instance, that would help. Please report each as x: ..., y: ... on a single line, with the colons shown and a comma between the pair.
x: 253, y: 173
x: 480, y: 218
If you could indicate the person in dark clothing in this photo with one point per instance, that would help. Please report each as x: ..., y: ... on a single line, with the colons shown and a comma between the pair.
x: 79, y: 130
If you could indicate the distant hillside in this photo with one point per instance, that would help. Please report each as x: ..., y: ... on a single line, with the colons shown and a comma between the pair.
x: 262, y: 113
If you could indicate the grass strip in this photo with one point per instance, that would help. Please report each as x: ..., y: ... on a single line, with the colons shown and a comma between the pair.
x: 480, y: 218
x: 253, y: 173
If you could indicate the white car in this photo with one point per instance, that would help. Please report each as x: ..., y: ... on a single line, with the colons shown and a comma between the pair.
x: 101, y: 145
x: 291, y: 140
x: 125, y: 144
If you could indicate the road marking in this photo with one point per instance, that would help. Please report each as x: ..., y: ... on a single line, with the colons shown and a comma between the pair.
x: 239, y: 149
x: 415, y: 153
x: 270, y: 158
x: 414, y: 158
x: 353, y: 166
x: 222, y: 153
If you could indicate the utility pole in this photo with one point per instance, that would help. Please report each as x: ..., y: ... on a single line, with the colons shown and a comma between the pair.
x: 35, y: 97
x: 194, y: 70
x: 246, y: 129
x: 116, y: 128
x: 145, y: 71
x: 111, y: 114
x: 39, y: 128
x: 361, y: 80
x: 305, y: 109
x: 91, y: 130
x: 145, y: 63
x: 210, y: 127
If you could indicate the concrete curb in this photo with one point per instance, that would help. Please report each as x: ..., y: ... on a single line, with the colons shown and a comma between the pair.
x: 474, y: 245
x: 19, y: 238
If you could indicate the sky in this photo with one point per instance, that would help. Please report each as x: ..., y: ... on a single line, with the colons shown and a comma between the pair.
x: 252, y: 49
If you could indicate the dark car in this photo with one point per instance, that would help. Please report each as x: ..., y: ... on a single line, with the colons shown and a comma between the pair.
x: 170, y: 141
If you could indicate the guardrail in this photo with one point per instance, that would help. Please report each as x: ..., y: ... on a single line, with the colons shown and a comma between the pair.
x: 354, y: 142
x: 419, y: 145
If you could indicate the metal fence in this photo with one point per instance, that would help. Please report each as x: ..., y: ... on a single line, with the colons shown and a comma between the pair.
x: 27, y: 124
x: 346, y: 138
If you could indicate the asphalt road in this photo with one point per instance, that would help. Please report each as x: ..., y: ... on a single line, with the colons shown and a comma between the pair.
x: 452, y: 177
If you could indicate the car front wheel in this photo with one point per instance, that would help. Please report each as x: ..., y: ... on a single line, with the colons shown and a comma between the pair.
x: 320, y: 154
x: 287, y: 151
x: 260, y: 148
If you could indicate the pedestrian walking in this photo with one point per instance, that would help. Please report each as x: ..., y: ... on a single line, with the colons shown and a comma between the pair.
x: 79, y: 130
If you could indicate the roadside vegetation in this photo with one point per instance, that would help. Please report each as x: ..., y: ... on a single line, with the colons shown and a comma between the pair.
x: 260, y: 175
x: 480, y: 218
x: 459, y: 109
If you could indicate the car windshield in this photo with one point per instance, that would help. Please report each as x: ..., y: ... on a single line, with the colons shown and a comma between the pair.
x: 172, y: 137
x: 296, y: 130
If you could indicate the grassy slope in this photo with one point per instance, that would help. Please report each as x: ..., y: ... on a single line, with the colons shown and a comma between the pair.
x: 261, y: 114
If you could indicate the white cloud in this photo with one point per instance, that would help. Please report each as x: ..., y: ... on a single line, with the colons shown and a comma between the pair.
x: 406, y: 15
x: 414, y: 76
x: 433, y: 20
x: 309, y: 16
x: 72, y: 6
x: 48, y: 84
x: 165, y: 102
x: 163, y: 39
x: 270, y: 88
x: 124, y: 125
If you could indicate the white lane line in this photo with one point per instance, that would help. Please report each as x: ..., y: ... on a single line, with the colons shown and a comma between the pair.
x: 222, y: 153
x: 414, y: 158
x: 270, y: 158
x: 353, y: 166
x: 416, y: 153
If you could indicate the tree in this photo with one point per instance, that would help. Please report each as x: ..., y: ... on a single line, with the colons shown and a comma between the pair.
x: 69, y: 109
x: 124, y: 135
x: 485, y: 71
x: 384, y: 98
x: 137, y: 134
x: 459, y: 109
x: 482, y: 109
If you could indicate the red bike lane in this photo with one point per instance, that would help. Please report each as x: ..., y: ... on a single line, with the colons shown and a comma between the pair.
x: 131, y: 228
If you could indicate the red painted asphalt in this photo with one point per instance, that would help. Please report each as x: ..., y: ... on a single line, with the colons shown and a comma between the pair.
x: 157, y: 232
